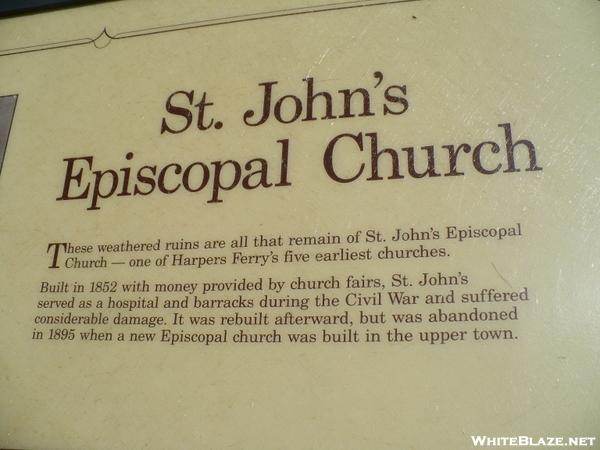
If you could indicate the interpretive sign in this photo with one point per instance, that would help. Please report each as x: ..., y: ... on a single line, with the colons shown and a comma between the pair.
x: 360, y: 224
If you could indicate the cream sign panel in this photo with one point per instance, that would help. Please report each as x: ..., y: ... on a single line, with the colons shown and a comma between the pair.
x: 358, y: 225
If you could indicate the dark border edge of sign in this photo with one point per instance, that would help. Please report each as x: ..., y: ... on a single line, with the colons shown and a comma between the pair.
x: 6, y: 120
x: 23, y: 7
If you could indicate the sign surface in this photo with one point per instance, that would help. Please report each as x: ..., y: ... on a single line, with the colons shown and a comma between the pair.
x: 350, y: 225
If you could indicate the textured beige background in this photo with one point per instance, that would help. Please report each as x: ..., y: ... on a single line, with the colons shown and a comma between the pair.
x: 469, y: 66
